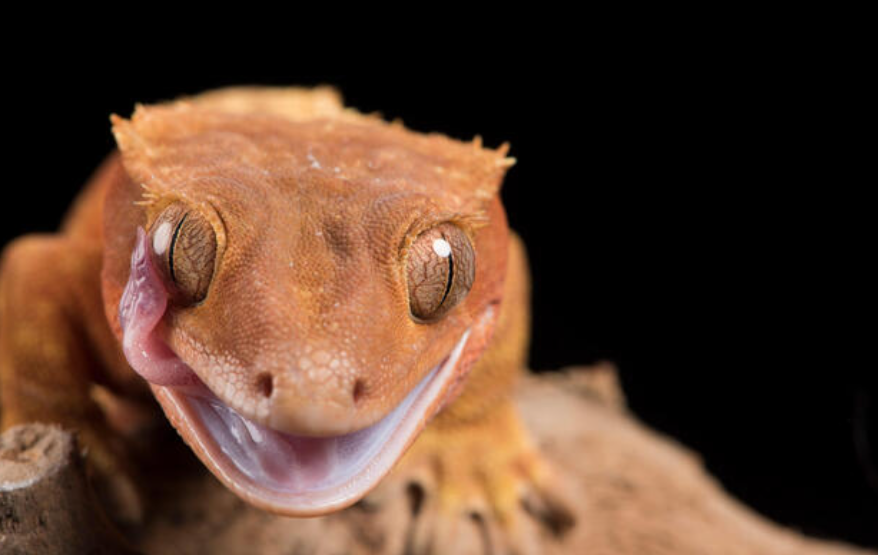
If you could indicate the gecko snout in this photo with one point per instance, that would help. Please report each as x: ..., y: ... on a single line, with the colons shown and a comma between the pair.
x: 314, y: 402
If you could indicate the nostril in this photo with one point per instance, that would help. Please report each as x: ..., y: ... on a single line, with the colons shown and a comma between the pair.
x: 359, y: 390
x: 265, y: 384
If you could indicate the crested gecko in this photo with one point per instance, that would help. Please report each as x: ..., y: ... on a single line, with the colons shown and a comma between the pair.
x: 312, y: 295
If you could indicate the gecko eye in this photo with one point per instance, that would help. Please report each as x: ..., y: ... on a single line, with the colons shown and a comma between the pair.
x: 184, y: 244
x: 440, y: 269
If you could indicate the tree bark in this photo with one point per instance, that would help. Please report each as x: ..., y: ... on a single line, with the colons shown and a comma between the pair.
x: 46, y: 503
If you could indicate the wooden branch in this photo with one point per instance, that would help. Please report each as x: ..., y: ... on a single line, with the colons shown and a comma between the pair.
x: 46, y: 505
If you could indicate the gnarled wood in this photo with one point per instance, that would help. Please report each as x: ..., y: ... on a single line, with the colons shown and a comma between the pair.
x: 46, y: 504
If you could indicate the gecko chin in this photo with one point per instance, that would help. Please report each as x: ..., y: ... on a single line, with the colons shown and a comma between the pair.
x: 284, y: 473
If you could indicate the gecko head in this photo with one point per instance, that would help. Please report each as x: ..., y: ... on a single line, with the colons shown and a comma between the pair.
x: 302, y: 294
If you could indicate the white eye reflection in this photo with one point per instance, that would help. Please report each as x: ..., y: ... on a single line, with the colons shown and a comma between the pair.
x: 161, y: 238
x: 441, y: 247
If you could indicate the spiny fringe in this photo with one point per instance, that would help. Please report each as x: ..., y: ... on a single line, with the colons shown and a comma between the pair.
x: 149, y: 196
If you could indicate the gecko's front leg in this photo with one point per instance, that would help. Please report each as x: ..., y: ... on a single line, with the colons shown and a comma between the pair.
x: 54, y: 342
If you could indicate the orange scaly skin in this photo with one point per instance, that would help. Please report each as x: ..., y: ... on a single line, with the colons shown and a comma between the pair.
x: 306, y: 327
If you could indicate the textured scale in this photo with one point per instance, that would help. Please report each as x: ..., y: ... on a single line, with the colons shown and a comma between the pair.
x: 260, y: 258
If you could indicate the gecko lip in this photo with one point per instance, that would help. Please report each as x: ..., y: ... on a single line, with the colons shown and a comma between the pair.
x: 280, y: 472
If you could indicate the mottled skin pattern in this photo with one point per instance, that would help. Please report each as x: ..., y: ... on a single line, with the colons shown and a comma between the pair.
x: 313, y: 207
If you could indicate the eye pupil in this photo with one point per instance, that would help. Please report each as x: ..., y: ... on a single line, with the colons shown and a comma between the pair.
x: 450, y: 279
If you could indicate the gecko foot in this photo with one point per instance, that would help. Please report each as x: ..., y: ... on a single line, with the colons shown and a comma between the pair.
x: 480, y: 488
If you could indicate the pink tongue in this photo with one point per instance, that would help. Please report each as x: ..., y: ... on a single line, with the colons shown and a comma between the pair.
x: 141, y: 309
x: 281, y: 461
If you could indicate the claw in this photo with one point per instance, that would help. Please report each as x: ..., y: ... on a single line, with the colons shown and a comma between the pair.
x: 544, y: 499
x: 549, y: 506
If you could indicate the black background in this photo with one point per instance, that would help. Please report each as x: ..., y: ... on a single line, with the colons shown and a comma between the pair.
x: 673, y: 227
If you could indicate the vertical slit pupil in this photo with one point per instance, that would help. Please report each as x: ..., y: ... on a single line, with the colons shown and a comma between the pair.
x: 450, y: 280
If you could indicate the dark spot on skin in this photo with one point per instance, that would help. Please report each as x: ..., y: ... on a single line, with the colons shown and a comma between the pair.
x: 359, y: 390
x: 336, y: 235
x: 265, y: 384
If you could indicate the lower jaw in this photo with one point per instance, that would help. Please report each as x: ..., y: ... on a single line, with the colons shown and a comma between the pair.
x: 301, y: 475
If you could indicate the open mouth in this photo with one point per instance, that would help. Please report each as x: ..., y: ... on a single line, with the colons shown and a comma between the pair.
x: 281, y: 472
x: 301, y: 475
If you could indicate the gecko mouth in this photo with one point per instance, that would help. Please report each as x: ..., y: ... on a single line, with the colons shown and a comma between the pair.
x: 301, y: 475
x: 280, y: 472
